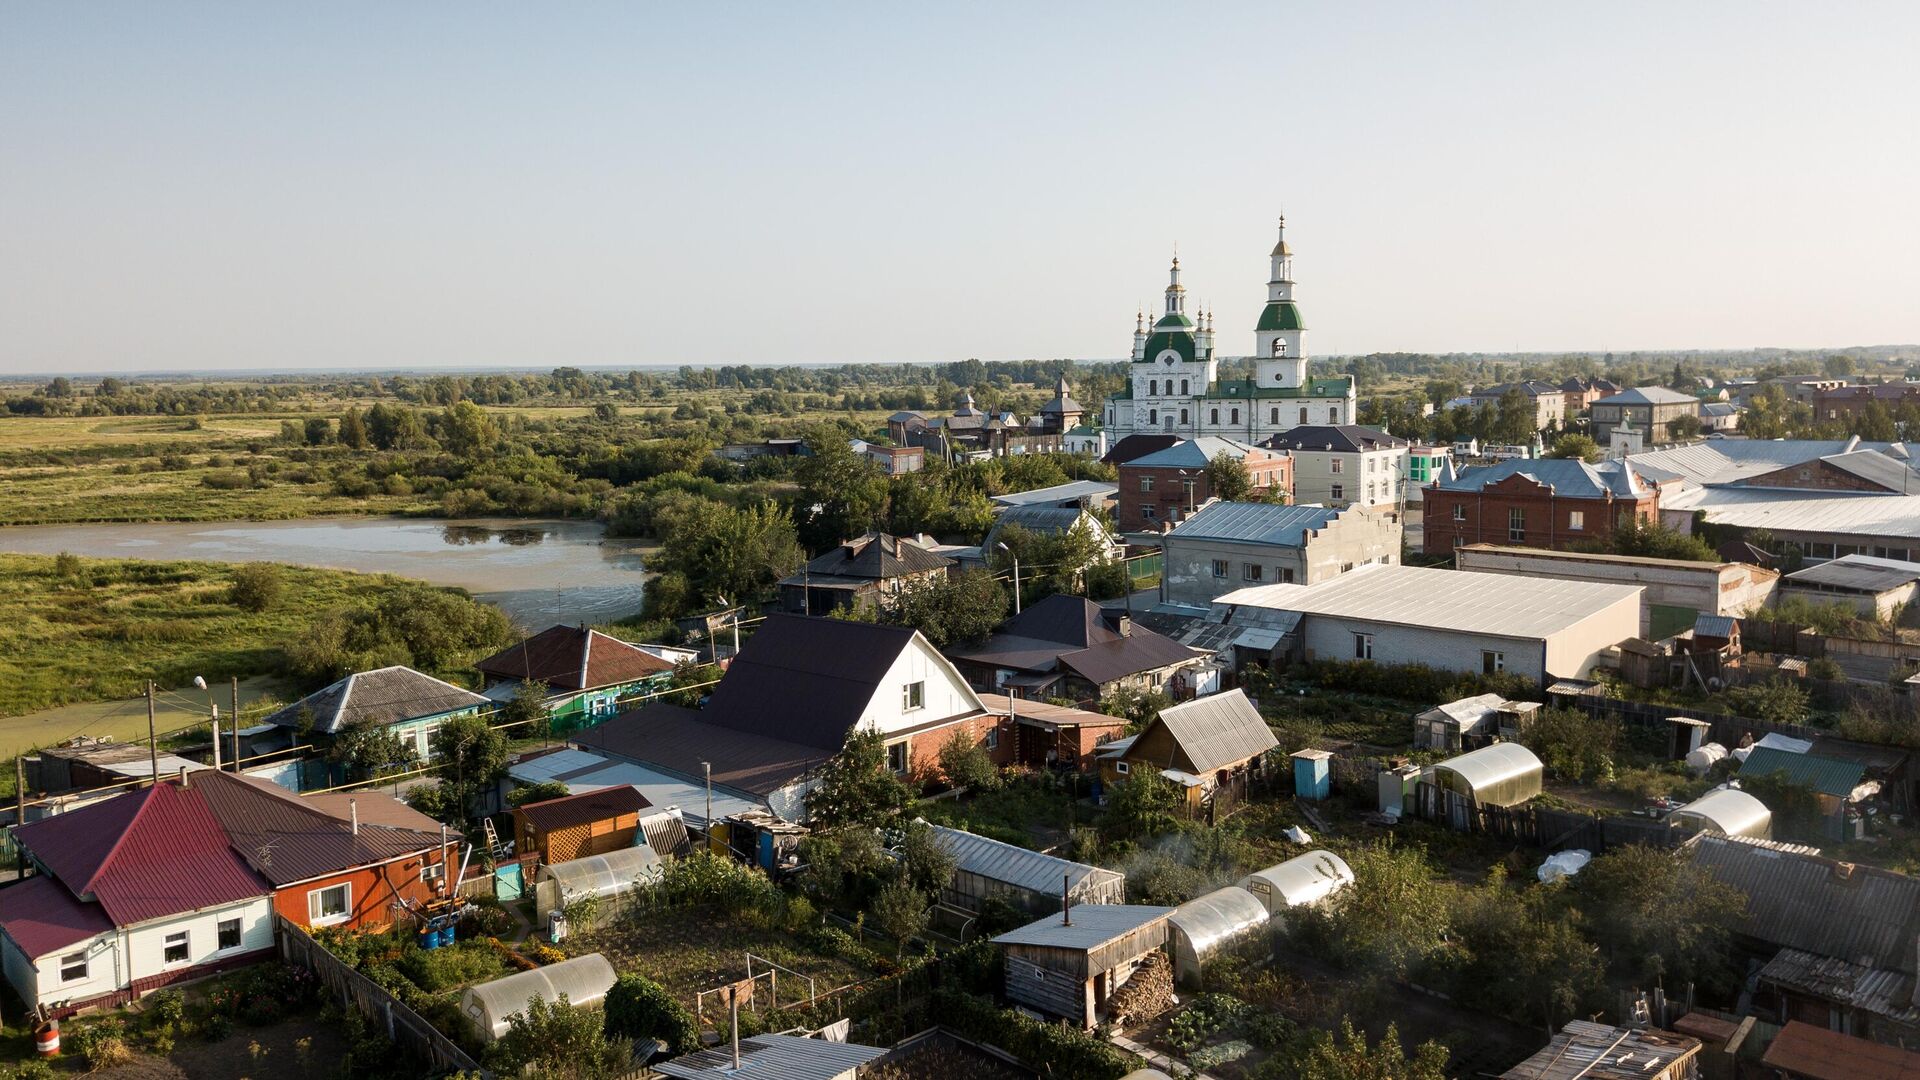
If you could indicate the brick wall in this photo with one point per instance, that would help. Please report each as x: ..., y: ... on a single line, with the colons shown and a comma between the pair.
x: 1454, y: 518
x: 1146, y: 511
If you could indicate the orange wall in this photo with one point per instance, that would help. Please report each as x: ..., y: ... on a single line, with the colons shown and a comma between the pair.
x: 375, y: 889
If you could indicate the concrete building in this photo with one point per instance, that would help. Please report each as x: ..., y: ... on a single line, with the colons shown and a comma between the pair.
x: 1344, y: 465
x: 1228, y: 546
x: 1167, y: 485
x: 1874, y: 588
x: 1454, y: 620
x: 1548, y: 503
x: 1549, y: 401
x: 1720, y: 416
x: 1649, y: 410
x: 1677, y: 591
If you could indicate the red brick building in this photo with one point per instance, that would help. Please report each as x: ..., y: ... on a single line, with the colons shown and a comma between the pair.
x: 1552, y: 503
x: 1848, y: 402
x: 1163, y: 487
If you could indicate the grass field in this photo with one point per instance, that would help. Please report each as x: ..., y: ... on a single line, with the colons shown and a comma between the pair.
x: 98, y: 634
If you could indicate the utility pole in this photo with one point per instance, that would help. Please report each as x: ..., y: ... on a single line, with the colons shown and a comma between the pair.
x: 20, y: 809
x: 236, y: 724
x: 706, y: 768
x: 153, y: 743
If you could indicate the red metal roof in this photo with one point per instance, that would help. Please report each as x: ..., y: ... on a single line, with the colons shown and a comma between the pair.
x: 42, y: 917
x: 143, y: 855
x: 585, y: 808
x: 1814, y: 1052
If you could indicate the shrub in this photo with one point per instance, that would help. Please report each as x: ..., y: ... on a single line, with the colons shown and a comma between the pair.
x: 639, y: 1008
x: 66, y: 565
x: 227, y: 479
x: 101, y: 1045
x: 256, y: 586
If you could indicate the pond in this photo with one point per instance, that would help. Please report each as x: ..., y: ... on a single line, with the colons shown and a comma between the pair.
x: 538, y: 572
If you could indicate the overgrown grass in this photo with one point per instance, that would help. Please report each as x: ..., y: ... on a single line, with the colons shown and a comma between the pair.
x: 1026, y: 811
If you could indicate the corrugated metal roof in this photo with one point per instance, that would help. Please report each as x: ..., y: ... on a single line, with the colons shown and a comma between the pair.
x: 286, y: 839
x: 1877, y: 990
x: 1216, y: 731
x: 1714, y: 626
x: 1893, y: 516
x: 1568, y: 477
x: 1467, y: 712
x: 573, y: 658
x: 1800, y: 900
x: 42, y: 917
x: 1858, y: 574
x: 1648, y: 395
x: 1093, y: 926
x: 773, y: 1057
x: 1258, y: 523
x: 379, y: 697
x: 1497, y: 605
x: 1194, y: 453
x: 1018, y: 866
x: 583, y: 808
x: 1829, y: 776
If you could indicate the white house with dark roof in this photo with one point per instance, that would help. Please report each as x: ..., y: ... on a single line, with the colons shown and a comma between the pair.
x: 1344, y: 464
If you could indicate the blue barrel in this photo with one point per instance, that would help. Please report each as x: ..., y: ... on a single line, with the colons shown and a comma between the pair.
x: 430, y: 939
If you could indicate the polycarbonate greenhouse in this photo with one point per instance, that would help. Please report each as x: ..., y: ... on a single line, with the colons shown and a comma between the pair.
x: 1503, y: 774
x: 1729, y: 812
x: 606, y: 876
x: 1300, y: 881
x: 1200, y: 928
x: 585, y: 981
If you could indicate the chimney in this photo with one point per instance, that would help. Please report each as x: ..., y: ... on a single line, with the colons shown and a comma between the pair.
x: 1066, y: 900
x: 353, y: 814
x: 184, y: 782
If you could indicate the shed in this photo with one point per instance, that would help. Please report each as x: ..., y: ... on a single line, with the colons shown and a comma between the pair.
x: 1727, y: 811
x: 774, y: 1057
x: 1301, y: 881
x: 986, y: 869
x: 573, y: 826
x: 1589, y: 1051
x: 605, y: 877
x: 1202, y: 927
x: 1312, y: 774
x: 1504, y: 774
x: 1068, y: 965
x: 584, y: 980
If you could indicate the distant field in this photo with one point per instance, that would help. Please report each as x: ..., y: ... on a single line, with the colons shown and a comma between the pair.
x: 77, y: 432
x: 115, y: 491
x: 176, y: 707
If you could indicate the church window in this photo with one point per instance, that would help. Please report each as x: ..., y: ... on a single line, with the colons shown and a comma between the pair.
x: 1303, y: 414
x: 1279, y: 347
x: 1235, y: 418
x: 1153, y: 387
x: 1183, y: 416
x: 1183, y: 386
x: 1213, y: 417
x: 1333, y: 415
x: 1153, y: 416
x: 1274, y: 416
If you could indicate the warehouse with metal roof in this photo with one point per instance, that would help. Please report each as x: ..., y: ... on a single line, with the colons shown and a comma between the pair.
x: 1229, y: 545
x: 1873, y: 587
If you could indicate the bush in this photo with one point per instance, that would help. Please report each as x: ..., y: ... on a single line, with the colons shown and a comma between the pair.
x: 227, y: 479
x: 256, y: 586
x: 67, y: 565
x: 639, y: 1008
x: 1417, y: 682
x: 101, y: 1045
x: 965, y: 763
x: 1066, y: 1053
x: 1573, y: 745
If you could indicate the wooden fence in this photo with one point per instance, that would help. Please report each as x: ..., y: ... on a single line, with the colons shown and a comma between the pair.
x: 402, y: 1025
x: 1539, y: 826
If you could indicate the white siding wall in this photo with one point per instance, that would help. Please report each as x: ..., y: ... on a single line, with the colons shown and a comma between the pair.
x: 103, y: 971
x: 1573, y: 652
x: 146, y: 943
x: 945, y: 692
x: 19, y: 971
x: 1331, y: 638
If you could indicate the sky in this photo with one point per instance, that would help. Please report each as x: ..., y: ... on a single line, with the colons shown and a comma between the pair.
x: 195, y: 186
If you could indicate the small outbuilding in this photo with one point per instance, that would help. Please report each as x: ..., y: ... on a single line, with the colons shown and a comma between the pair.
x: 986, y: 869
x: 1069, y: 965
x: 1301, y: 881
x: 1727, y: 811
x: 597, y: 877
x: 1204, y: 926
x: 1503, y: 774
x: 575, y: 826
x: 1208, y: 744
x: 584, y: 980
x: 775, y: 1057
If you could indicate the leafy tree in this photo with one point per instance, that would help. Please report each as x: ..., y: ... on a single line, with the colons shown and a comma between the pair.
x: 473, y: 757
x: 711, y: 550
x: 924, y: 866
x: 371, y: 751
x: 1392, y: 919
x: 59, y: 387
x: 1796, y: 807
x: 1135, y: 705
x: 1640, y: 536
x: 256, y: 586
x: 959, y: 609
x: 421, y: 627
x: 1050, y: 562
x: 526, y: 713
x: 844, y: 866
x: 353, y: 430
x: 555, y: 1041
x: 532, y: 793
x: 1659, y: 917
x: 638, y: 1008
x: 1348, y: 1057
x: 901, y: 913
x: 1578, y: 447
x: 856, y: 787
x: 1520, y: 953
x: 1839, y: 367
x: 1777, y: 701
x: 1228, y: 479
x: 466, y: 429
x: 1146, y: 804
x: 109, y: 387
x: 1517, y: 420
x: 965, y: 763
x: 1573, y: 745
x: 318, y: 431
x: 842, y: 494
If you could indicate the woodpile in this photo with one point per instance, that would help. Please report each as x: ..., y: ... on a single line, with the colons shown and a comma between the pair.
x: 1144, y: 996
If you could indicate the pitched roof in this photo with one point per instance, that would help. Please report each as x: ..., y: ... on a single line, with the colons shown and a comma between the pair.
x: 1073, y: 491
x: 573, y: 658
x: 143, y: 855
x: 1345, y: 438
x: 1014, y: 865
x: 1529, y: 387
x: 41, y: 917
x: 773, y: 1057
x: 876, y: 557
x: 1136, y: 446
x: 1069, y: 631
x: 379, y: 697
x: 1568, y: 477
x: 1800, y: 900
x: 1193, y: 453
x: 1466, y: 601
x: 284, y: 839
x: 1258, y: 523
x: 1215, y: 731
x: 1819, y: 1054
x: 680, y: 739
x: 584, y: 808
x: 1093, y: 926
x: 806, y: 680
x: 1828, y: 776
x: 1044, y: 520
x: 1650, y: 395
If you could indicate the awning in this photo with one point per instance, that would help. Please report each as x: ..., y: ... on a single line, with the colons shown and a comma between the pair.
x: 1258, y: 637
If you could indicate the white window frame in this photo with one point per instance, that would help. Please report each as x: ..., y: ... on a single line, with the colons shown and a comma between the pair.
x: 239, y: 933
x: 1492, y: 662
x: 1459, y: 511
x: 1336, y: 466
x: 1221, y: 568
x: 1516, y: 524
x: 1253, y: 571
x: 1576, y: 520
x: 317, y: 897
x: 185, y: 944
x: 432, y: 871
x: 1363, y: 646
x: 1338, y: 491
x: 913, y: 696
x: 1121, y: 768
x: 905, y: 757
x: 72, y: 961
x: 1146, y: 483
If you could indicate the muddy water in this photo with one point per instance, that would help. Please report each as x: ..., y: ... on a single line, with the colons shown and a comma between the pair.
x: 538, y: 572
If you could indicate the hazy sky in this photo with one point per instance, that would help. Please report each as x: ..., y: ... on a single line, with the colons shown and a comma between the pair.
x: 190, y: 185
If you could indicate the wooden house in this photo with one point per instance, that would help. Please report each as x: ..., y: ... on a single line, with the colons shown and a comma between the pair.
x: 589, y: 676
x: 1206, y: 745
x: 1069, y: 965
x: 576, y: 826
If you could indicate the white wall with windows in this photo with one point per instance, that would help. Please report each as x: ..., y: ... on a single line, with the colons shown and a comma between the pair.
x: 920, y: 688
x: 115, y: 960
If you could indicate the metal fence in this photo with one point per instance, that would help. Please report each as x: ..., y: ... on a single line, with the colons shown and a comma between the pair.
x: 402, y: 1025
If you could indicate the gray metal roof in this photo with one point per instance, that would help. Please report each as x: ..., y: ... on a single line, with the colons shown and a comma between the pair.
x: 1093, y: 926
x: 1058, y: 493
x: 1787, y: 511
x: 1569, y: 478
x: 1860, y: 914
x: 773, y: 1057
x: 1648, y: 395
x: 1017, y: 865
x: 1858, y: 574
x: 1877, y: 468
x: 1194, y: 453
x: 380, y: 697
x: 1218, y: 730
x: 1466, y: 601
x: 1259, y: 523
x: 1714, y: 626
x: 1877, y: 990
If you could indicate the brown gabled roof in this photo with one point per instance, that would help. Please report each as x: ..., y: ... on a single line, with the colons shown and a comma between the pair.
x: 1819, y: 1054
x: 573, y: 658
x: 285, y: 839
x: 603, y: 804
x: 874, y: 557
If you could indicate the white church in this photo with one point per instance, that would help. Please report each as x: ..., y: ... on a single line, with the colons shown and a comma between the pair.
x: 1177, y: 389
